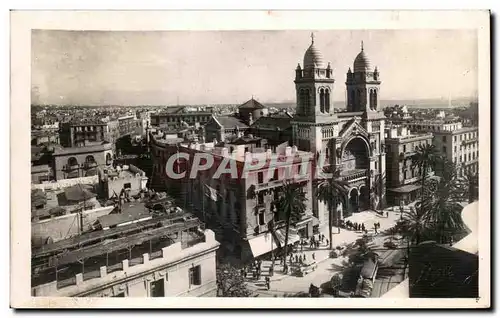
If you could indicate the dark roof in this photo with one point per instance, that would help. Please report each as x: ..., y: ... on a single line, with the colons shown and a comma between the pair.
x: 281, y: 123
x: 244, y: 140
x: 130, y: 212
x: 230, y: 122
x: 251, y: 104
x: 78, y: 192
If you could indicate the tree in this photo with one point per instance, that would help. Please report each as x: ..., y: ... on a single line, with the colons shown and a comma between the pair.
x: 443, y: 214
x: 291, y: 207
x: 426, y: 157
x: 329, y: 190
x: 230, y: 282
x: 469, y: 186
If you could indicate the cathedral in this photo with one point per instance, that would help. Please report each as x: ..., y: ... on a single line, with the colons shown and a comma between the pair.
x: 352, y: 141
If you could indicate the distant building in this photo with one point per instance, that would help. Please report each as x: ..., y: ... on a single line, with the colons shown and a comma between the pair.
x: 164, y: 256
x: 129, y: 179
x: 457, y: 143
x: 174, y: 117
x: 83, y: 133
x: 402, y: 175
x: 81, y: 161
x: 251, y: 111
x: 221, y: 128
x: 43, y: 137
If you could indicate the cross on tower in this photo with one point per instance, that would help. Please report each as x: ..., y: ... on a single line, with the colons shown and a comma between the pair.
x: 362, y: 46
x: 312, y: 37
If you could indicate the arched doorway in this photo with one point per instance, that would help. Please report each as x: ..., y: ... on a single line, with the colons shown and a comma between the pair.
x: 356, y: 155
x: 354, y: 200
x: 109, y: 160
x: 72, y: 168
x: 364, y: 198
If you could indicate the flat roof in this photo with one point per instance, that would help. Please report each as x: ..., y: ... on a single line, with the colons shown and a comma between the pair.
x: 90, y: 237
x: 124, y: 242
x: 76, y: 150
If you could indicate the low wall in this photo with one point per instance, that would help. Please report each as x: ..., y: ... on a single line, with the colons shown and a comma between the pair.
x: 68, y: 225
x: 64, y: 183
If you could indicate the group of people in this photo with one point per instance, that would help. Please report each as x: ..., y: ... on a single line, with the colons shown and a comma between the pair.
x: 376, y: 227
x: 313, y: 242
x: 354, y: 226
x: 255, y: 268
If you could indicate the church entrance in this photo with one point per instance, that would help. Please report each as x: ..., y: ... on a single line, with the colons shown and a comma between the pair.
x: 353, y: 200
x: 364, y: 198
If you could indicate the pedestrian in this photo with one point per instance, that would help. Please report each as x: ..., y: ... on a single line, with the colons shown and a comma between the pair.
x: 268, y: 283
x: 327, y: 241
x: 304, y: 259
x: 297, y: 258
x: 301, y: 246
x: 313, y: 256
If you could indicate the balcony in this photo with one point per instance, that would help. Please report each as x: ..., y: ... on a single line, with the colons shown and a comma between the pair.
x: 278, y: 183
x: 406, y: 154
x: 354, y: 175
x: 469, y: 141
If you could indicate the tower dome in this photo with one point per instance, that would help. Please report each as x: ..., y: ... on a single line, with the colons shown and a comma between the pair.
x: 361, y: 62
x: 313, y: 57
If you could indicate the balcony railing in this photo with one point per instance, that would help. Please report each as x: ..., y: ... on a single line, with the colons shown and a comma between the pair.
x: 354, y: 176
x: 278, y: 183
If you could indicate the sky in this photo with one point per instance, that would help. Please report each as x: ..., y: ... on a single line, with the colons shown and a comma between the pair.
x: 209, y: 67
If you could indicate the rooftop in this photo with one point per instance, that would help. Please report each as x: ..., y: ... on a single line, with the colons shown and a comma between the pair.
x: 230, y: 122
x: 86, y: 149
x: 251, y: 104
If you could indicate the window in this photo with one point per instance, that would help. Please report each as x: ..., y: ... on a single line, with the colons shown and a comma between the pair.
x: 260, y: 177
x: 276, y: 175
x: 444, y: 138
x: 444, y: 149
x: 404, y: 148
x: 260, y: 198
x: 195, y: 275
x: 299, y: 169
x: 376, y: 165
x: 127, y: 185
x: 157, y: 288
x: 455, y: 149
x: 262, y: 217
x: 455, y: 138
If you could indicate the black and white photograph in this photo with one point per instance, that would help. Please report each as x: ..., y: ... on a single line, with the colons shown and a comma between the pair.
x: 265, y: 164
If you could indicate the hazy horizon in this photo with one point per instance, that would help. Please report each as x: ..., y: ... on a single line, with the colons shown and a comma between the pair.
x: 95, y: 68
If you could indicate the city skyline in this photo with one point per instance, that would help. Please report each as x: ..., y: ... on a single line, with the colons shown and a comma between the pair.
x: 87, y: 68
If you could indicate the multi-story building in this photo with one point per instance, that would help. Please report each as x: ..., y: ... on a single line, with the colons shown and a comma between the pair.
x: 44, y: 137
x: 457, y: 143
x: 239, y: 209
x: 174, y: 117
x: 158, y: 256
x: 352, y: 141
x: 83, y: 133
x: 129, y: 179
x: 221, y: 128
x: 402, y: 174
x: 126, y: 125
x: 78, y: 162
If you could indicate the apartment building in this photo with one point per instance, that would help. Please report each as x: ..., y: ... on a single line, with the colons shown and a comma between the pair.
x: 83, y: 133
x: 402, y: 175
x: 240, y: 209
x: 457, y: 143
x: 175, y: 116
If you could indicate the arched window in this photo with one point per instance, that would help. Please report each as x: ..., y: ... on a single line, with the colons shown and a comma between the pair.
x: 351, y: 97
x: 374, y: 101
x: 302, y: 102
x: 327, y: 101
x: 307, y: 103
x: 358, y: 97
x: 72, y: 161
x: 322, y: 100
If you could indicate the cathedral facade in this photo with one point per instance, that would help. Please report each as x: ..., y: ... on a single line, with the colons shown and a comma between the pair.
x: 351, y: 142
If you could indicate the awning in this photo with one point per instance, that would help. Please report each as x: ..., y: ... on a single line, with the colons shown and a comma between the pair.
x: 280, y: 235
x: 406, y: 188
x: 262, y: 244
x: 266, y: 242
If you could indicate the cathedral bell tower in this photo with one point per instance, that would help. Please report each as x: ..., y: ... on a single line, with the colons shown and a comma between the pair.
x: 314, y: 85
x: 363, y: 86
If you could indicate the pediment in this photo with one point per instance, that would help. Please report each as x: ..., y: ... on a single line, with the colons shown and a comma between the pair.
x: 352, y: 128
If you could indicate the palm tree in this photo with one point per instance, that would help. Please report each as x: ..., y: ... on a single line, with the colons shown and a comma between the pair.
x: 443, y: 213
x: 291, y: 207
x: 426, y: 157
x: 329, y: 190
x: 469, y: 186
